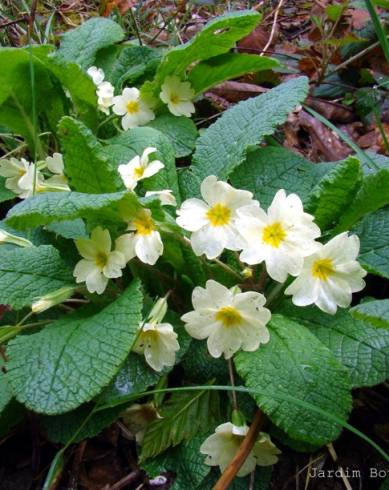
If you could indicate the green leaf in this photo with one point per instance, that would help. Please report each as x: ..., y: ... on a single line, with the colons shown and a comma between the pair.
x: 80, y: 45
x: 373, y: 232
x: 134, y: 142
x: 225, y: 67
x: 134, y: 376
x: 296, y: 363
x: 71, y: 229
x: 61, y: 428
x: 80, y: 355
x: 335, y: 192
x: 5, y: 389
x: 217, y: 37
x: 5, y: 194
x: 222, y: 146
x: 127, y: 63
x: 364, y: 350
x: 266, y: 170
x: 50, y: 207
x: 181, y: 131
x: 372, y: 195
x: 88, y: 170
x: 184, y: 416
x: 16, y: 100
x: 27, y: 273
x: 374, y: 312
x: 185, y: 461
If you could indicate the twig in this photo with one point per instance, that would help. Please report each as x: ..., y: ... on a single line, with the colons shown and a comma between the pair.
x: 240, y: 457
x: 355, y: 57
x: 273, y: 28
x: 334, y: 456
x: 136, y: 27
x: 130, y: 478
x: 12, y: 22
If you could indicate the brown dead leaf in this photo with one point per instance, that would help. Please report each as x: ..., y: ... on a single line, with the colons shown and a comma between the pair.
x: 236, y: 91
x: 256, y: 40
x: 122, y: 5
x: 359, y: 18
x: 324, y: 141
x: 331, y: 110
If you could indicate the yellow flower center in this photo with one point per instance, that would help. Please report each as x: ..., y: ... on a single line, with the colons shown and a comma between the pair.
x: 132, y: 107
x: 101, y: 259
x: 322, y: 269
x: 229, y: 316
x: 144, y: 225
x: 219, y: 215
x: 274, y: 234
x: 174, y: 99
x: 21, y: 172
x: 139, y: 171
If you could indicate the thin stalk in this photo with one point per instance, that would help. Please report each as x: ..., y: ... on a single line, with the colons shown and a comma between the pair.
x: 378, y: 28
x: 278, y: 396
x: 381, y: 129
x: 361, y: 154
x: 232, y: 381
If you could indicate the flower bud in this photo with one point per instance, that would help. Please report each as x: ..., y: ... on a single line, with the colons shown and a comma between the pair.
x: 49, y: 300
x: 158, y: 311
x: 238, y: 418
x: 6, y: 237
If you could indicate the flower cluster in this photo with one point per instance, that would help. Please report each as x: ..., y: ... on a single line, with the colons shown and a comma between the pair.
x: 25, y: 178
x: 283, y: 237
x: 133, y: 107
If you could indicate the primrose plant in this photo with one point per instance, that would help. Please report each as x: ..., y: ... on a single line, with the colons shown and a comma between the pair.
x: 191, y: 300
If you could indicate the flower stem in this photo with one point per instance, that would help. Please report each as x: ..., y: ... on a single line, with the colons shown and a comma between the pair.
x: 232, y: 381
x: 240, y: 457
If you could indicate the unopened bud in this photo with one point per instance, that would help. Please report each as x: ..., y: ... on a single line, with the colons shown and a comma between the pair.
x: 52, y: 299
x: 6, y: 237
x: 158, y: 311
x: 238, y: 418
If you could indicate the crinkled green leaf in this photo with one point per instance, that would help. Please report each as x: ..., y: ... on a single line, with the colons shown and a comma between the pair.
x: 134, y: 142
x: 72, y: 229
x: 5, y: 194
x: 222, y: 146
x: 5, y: 389
x: 134, y: 376
x: 217, y: 37
x: 364, y: 350
x: 295, y: 363
x: 374, y: 312
x: 334, y: 193
x: 88, y: 170
x: 373, y: 232
x: 185, y: 461
x: 51, y: 207
x: 372, y: 195
x: 127, y: 63
x: 210, y: 72
x: 181, y: 131
x: 27, y: 273
x: 80, y: 45
x: 70, y: 362
x: 183, y: 416
x: 266, y: 170
x: 62, y: 428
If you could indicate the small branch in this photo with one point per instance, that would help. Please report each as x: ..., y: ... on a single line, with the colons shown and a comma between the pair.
x: 240, y: 457
x: 334, y: 456
x: 12, y: 22
x: 124, y: 482
x: 273, y: 28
